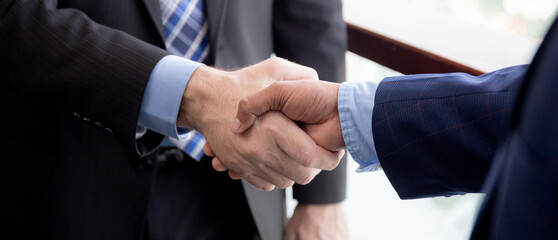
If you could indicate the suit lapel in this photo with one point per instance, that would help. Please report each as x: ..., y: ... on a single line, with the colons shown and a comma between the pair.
x: 154, y: 10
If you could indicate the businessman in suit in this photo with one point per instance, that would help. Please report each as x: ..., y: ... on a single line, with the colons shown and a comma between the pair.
x: 283, y: 28
x: 444, y: 134
x: 77, y: 132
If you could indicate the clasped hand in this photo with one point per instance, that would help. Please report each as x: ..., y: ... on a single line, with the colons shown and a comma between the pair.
x: 274, y: 151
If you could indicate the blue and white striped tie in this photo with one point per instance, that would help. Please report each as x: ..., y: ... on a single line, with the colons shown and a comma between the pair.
x: 186, y: 35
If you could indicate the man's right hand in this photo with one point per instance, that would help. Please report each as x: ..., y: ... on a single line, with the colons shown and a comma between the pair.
x: 275, y: 151
x: 311, y: 102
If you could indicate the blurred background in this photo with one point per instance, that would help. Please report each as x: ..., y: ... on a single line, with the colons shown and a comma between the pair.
x: 484, y: 34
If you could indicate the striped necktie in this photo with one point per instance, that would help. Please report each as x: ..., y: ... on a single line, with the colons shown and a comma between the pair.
x: 186, y: 35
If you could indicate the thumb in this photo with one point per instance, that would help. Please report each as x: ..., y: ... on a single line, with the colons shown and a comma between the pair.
x: 249, y: 108
x: 244, y: 117
x: 218, y: 165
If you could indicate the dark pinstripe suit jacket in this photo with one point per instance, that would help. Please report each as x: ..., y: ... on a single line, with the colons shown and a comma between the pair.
x: 72, y: 79
x: 453, y: 133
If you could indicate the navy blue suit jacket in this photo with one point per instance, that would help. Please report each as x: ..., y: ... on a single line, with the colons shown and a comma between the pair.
x: 446, y: 134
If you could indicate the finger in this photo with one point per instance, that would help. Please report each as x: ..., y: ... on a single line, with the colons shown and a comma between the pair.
x: 218, y: 165
x: 267, y: 173
x: 290, y: 234
x: 301, y: 147
x: 286, y: 70
x: 207, y: 150
x: 259, y: 183
x: 340, y: 153
x: 277, y: 179
x: 271, y: 98
x: 234, y: 175
x: 244, y: 117
x: 284, y: 163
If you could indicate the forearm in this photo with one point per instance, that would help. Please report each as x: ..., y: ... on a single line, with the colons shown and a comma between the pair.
x: 61, y: 57
x: 436, y: 134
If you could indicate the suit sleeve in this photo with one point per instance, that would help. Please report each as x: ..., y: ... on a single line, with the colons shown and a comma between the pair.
x: 313, y: 33
x: 60, y: 57
x: 436, y: 134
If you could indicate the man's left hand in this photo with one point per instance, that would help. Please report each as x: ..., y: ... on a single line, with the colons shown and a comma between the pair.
x: 317, y: 221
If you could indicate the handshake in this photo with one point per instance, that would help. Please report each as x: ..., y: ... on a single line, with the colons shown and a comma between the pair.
x: 272, y: 124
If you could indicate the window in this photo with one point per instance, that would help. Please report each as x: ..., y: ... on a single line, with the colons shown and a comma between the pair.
x: 484, y: 34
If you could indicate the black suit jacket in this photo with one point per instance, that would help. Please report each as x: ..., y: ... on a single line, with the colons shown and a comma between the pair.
x: 73, y: 75
x: 497, y: 134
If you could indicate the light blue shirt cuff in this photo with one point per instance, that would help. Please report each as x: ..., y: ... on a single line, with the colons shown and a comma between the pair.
x: 356, y: 105
x: 163, y: 95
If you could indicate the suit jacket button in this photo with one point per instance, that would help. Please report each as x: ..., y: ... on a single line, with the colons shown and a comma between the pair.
x: 97, y: 125
x: 109, y: 132
x: 86, y: 120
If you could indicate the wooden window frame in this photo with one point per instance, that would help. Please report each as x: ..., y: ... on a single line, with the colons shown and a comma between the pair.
x: 400, y: 56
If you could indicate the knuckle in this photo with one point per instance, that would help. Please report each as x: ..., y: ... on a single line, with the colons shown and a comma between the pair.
x: 244, y: 104
x: 274, y: 86
x: 254, y: 181
x: 254, y: 151
x: 277, y: 65
x: 268, y: 128
x: 285, y: 184
x: 330, y: 165
x: 242, y: 175
x: 244, y: 110
x: 274, y: 62
x: 334, y: 164
x: 335, y: 160
x: 277, y: 60
x: 314, y: 74
x: 305, y: 159
x: 306, y: 178
x: 268, y: 187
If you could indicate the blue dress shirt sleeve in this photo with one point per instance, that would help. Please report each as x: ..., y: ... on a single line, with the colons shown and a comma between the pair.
x: 163, y: 95
x: 356, y: 105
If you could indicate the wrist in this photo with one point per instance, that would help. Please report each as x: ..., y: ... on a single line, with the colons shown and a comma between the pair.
x: 211, y: 98
x: 197, y: 95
